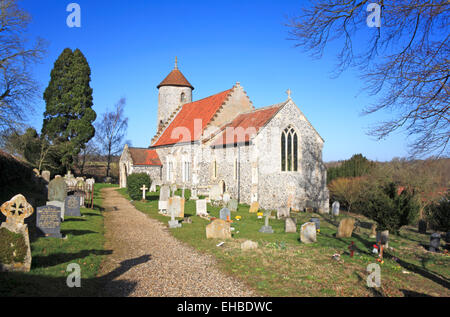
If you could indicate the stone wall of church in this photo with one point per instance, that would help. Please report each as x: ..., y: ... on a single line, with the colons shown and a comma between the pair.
x: 153, y: 171
x: 307, y: 187
x: 169, y: 99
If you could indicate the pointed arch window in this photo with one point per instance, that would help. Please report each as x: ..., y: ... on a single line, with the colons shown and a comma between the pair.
x: 289, y: 150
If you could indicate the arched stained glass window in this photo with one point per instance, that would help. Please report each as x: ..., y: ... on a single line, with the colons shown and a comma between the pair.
x: 289, y: 150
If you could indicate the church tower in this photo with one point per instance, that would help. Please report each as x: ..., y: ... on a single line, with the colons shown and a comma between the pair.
x: 174, y: 91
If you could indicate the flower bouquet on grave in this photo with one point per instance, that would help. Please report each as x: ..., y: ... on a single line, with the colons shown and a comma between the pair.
x: 238, y: 218
x: 260, y: 215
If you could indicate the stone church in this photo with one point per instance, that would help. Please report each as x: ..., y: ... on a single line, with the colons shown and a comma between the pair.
x: 272, y: 155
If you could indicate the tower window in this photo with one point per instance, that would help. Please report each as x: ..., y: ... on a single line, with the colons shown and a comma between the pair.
x: 183, y: 97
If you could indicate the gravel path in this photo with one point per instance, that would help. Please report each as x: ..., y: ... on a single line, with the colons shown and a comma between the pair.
x: 148, y: 261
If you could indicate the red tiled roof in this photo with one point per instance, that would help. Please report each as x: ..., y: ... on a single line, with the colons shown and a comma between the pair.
x: 144, y: 157
x: 245, y: 126
x: 175, y: 78
x: 203, y: 110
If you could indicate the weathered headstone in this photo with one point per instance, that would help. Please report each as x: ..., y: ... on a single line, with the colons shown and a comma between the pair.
x: 215, y: 192
x: 383, y: 238
x: 254, y: 207
x: 163, y: 203
x: 225, y: 214
x: 15, y: 211
x: 173, y: 189
x: 46, y: 176
x: 266, y: 228
x: 283, y: 212
x: 435, y: 242
x: 61, y: 205
x: 346, y: 227
x: 176, y: 204
x: 218, y: 229
x: 316, y: 222
x: 194, y: 193
x: 153, y: 187
x: 290, y: 226
x: 308, y: 233
x: 226, y: 198
x: 82, y: 196
x: 335, y: 208
x: 48, y: 220
x: 233, y: 205
x: 173, y: 223
x: 57, y: 190
x: 72, y: 206
x: 249, y: 245
x: 373, y: 231
x: 422, y: 226
x: 201, y: 207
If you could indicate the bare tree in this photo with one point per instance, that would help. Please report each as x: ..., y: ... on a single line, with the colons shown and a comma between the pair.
x: 405, y: 61
x: 18, y: 90
x: 110, y: 132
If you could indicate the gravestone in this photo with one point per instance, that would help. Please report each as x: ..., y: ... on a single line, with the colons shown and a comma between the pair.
x: 346, y: 227
x: 173, y: 189
x: 225, y: 214
x: 48, y: 220
x: 173, y: 223
x: 176, y: 205
x: 143, y: 189
x: 46, y: 176
x: 336, y: 208
x: 90, y: 182
x: 218, y: 229
x: 163, y: 203
x: 61, y: 205
x: 201, y: 207
x: 249, y: 245
x: 215, y: 192
x: 316, y: 222
x: 153, y: 187
x: 233, y: 205
x: 422, y: 226
x: 226, y: 198
x: 373, y: 231
x: 254, y: 207
x: 57, y: 190
x: 283, y: 212
x: 194, y: 193
x: 72, y: 206
x: 82, y: 196
x: 266, y: 228
x: 308, y: 233
x: 15, y: 211
x: 435, y: 242
x: 383, y: 238
x: 290, y: 226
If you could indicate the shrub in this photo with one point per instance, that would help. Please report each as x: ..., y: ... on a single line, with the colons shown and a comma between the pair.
x: 438, y: 214
x: 346, y: 190
x: 134, y: 184
x: 389, y: 208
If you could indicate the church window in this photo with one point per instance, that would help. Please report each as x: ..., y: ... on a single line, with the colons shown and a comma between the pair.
x: 186, y: 171
x: 289, y: 150
x: 214, y: 169
x: 170, y: 171
x: 183, y: 97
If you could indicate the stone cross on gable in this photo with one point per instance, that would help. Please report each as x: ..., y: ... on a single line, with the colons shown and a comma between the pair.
x: 143, y: 188
x: 289, y: 93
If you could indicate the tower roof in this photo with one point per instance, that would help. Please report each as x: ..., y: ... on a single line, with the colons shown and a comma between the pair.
x: 175, y: 78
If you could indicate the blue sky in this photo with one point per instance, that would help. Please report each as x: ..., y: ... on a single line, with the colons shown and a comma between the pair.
x: 131, y: 47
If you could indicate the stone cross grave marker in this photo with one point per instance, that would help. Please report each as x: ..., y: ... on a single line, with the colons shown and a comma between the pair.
x: 48, y: 220
x: 15, y: 211
x: 72, y: 206
x: 201, y: 207
x: 266, y: 228
x: 225, y: 214
x: 335, y: 208
x: 143, y: 188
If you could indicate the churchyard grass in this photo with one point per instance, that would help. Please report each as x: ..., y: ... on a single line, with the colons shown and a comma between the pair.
x: 283, y: 266
x: 50, y: 258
